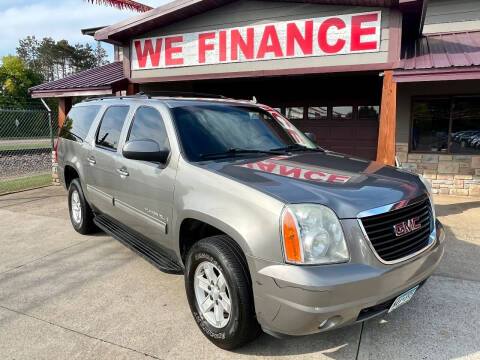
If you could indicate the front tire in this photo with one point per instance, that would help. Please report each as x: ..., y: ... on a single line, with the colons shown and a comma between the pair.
x: 81, y: 215
x: 219, y: 292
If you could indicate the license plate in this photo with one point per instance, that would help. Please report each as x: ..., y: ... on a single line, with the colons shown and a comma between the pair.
x: 403, y: 299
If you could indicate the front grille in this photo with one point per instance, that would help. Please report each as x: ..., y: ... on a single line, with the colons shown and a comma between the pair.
x: 381, y: 231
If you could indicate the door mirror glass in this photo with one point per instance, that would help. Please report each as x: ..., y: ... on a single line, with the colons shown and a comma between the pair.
x: 145, y: 150
x: 311, y: 136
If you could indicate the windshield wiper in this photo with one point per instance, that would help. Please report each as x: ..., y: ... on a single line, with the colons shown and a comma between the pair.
x: 298, y: 147
x: 234, y: 151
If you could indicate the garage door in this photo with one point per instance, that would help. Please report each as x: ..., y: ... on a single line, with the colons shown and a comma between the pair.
x: 348, y: 129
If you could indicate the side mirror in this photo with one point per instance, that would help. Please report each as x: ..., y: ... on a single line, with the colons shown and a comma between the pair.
x: 146, y: 150
x: 311, y: 136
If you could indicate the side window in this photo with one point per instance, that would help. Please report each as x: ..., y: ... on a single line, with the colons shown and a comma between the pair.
x: 111, y: 125
x: 148, y: 124
x: 78, y: 122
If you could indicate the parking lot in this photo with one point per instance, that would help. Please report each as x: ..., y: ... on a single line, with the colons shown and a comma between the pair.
x: 67, y: 296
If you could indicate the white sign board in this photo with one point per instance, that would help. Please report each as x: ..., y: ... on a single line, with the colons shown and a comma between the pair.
x: 333, y: 35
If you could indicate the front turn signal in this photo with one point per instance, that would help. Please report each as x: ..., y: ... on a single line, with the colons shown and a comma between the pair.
x: 291, y: 241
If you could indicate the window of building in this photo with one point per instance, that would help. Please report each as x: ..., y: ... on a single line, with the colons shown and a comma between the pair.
x: 294, y: 113
x: 446, y: 125
x: 342, y: 112
x: 110, y: 128
x: 148, y: 124
x: 369, y: 112
x: 317, y: 113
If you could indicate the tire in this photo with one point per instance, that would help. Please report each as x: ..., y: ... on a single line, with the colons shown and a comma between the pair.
x: 77, y: 204
x: 226, y: 259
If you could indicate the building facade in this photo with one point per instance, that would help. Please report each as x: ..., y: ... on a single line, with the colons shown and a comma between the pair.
x: 396, y: 81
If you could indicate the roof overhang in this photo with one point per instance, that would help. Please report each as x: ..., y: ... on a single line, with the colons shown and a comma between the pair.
x: 466, y: 73
x: 181, y: 9
x: 107, y: 90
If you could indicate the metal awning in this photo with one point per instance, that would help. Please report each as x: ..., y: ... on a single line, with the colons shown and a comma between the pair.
x: 438, y: 57
x: 102, y: 80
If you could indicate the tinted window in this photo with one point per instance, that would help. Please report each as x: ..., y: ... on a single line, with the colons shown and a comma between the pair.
x: 317, y: 113
x: 78, y: 122
x: 369, y: 112
x: 294, y: 113
x: 466, y: 126
x: 342, y: 112
x: 111, y: 126
x: 205, y: 129
x: 431, y: 120
x: 148, y: 124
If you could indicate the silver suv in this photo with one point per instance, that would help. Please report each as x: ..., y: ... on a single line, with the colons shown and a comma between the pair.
x: 272, y: 232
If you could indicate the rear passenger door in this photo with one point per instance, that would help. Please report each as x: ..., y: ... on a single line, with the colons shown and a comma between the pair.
x: 145, y: 195
x: 102, y: 176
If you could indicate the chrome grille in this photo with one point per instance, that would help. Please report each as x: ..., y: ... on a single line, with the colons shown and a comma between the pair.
x: 381, y: 232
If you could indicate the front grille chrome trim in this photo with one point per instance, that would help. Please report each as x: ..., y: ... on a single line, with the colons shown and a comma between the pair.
x: 388, y: 208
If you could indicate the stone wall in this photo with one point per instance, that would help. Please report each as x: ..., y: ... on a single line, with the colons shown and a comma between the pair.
x: 55, y: 179
x: 448, y: 174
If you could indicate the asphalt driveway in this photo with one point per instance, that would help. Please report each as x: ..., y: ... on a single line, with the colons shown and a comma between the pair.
x: 67, y: 296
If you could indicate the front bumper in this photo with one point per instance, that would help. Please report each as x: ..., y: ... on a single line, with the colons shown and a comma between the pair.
x: 301, y: 300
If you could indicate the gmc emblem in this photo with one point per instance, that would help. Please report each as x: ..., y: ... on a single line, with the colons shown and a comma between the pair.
x: 407, y: 226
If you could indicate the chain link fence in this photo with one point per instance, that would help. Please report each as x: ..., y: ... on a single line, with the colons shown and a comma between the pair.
x: 26, y: 144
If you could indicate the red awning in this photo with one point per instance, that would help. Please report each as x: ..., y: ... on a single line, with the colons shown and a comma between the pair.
x: 437, y: 57
x: 101, y: 80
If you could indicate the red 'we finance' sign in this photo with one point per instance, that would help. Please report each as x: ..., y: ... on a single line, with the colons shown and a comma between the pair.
x: 342, y: 34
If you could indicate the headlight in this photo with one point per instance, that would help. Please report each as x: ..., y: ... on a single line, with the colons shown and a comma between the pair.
x: 430, y: 194
x: 312, y: 234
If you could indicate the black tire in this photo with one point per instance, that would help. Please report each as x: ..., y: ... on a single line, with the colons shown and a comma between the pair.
x: 225, y: 255
x: 85, y: 225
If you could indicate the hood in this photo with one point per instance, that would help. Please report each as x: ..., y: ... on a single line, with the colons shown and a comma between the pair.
x: 345, y: 184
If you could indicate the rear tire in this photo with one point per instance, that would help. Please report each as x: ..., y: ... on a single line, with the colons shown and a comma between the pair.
x: 217, y: 279
x: 81, y: 215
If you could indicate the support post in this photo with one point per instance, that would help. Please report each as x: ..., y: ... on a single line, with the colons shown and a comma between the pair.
x: 387, y: 126
x: 132, y: 89
x: 64, y: 106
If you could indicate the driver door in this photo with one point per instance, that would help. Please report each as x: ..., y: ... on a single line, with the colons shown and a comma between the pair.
x: 145, y: 196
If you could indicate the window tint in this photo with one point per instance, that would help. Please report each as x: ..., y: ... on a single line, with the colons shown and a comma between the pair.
x: 78, y: 122
x: 430, y: 125
x: 148, y: 124
x: 466, y: 126
x: 111, y: 126
x: 369, y: 112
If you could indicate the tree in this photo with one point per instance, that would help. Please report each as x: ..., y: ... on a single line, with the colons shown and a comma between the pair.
x: 122, y: 4
x: 15, y: 79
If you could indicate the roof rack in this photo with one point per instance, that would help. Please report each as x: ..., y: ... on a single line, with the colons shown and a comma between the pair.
x: 149, y: 95
x: 188, y: 94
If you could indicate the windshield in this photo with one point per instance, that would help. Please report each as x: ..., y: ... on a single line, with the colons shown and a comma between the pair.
x: 216, y: 129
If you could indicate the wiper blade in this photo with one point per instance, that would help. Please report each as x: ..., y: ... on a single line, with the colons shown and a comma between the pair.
x: 298, y: 147
x: 234, y: 151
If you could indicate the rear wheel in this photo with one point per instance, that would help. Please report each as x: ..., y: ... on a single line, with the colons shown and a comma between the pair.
x: 81, y: 215
x: 219, y: 292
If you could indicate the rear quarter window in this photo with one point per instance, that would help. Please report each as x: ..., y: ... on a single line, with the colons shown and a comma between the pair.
x: 78, y: 122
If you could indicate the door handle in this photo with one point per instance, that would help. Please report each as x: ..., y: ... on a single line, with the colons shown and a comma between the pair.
x: 91, y: 160
x: 122, y: 172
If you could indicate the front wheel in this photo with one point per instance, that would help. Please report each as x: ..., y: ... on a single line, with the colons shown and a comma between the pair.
x: 219, y: 292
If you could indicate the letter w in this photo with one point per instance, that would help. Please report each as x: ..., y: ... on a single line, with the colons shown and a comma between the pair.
x: 148, y: 50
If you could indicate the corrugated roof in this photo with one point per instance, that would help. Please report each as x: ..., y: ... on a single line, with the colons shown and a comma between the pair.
x: 102, y: 76
x: 440, y: 51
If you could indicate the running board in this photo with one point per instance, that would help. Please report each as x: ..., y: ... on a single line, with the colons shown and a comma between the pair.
x: 138, y: 244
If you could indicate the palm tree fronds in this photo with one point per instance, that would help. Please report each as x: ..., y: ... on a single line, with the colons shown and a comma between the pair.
x: 122, y: 4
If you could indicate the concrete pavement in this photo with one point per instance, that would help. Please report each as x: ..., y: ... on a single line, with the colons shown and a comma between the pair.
x: 64, y: 296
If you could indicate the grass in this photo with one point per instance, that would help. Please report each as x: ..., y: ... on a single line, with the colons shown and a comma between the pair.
x: 24, y: 146
x: 25, y: 183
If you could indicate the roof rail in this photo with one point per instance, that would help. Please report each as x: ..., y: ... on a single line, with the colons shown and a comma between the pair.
x: 183, y: 94
x: 103, y: 97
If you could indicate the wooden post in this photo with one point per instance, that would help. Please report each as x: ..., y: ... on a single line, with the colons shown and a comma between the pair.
x: 64, y: 106
x: 388, y: 114
x: 132, y: 89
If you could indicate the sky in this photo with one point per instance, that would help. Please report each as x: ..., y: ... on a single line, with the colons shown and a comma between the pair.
x: 58, y: 19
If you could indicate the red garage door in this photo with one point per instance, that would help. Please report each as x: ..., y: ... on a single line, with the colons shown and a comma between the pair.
x: 348, y: 129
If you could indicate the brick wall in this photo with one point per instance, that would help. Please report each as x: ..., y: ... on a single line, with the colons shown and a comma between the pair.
x: 448, y: 174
